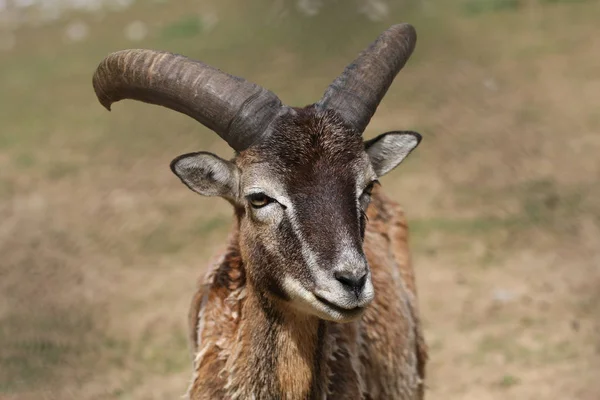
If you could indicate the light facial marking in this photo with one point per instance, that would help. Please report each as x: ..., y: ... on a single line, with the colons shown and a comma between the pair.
x: 280, y: 198
x: 253, y: 190
x: 308, y: 254
x: 307, y: 301
x: 347, y: 253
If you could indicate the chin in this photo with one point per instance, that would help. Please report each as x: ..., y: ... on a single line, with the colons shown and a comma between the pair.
x: 341, y: 317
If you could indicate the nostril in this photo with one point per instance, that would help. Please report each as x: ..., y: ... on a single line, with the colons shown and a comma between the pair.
x: 351, y: 281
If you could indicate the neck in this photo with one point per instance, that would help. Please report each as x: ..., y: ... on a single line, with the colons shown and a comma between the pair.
x: 280, y: 351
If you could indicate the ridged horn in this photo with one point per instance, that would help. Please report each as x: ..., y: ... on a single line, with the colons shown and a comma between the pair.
x: 357, y: 92
x: 237, y: 110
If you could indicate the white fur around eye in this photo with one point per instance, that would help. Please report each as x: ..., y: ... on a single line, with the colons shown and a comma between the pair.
x: 269, y: 214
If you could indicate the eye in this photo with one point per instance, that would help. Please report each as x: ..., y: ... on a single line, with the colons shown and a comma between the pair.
x: 259, y: 200
x: 367, y: 191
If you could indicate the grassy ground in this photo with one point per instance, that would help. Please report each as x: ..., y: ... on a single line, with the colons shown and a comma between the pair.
x: 100, y: 244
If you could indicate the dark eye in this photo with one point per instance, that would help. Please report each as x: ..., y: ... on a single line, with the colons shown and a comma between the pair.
x: 259, y: 200
x: 369, y: 188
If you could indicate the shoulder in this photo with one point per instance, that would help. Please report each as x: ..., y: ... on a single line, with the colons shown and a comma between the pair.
x: 389, y: 235
x: 217, y: 297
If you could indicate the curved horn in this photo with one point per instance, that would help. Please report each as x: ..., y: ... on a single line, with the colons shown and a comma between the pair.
x: 357, y: 92
x: 237, y: 110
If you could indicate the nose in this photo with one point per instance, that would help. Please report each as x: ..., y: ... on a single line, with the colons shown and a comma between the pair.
x: 352, y: 281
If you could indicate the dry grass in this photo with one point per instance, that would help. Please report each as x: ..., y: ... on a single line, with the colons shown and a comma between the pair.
x: 100, y: 244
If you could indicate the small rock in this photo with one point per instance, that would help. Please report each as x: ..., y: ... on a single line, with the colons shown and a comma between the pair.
x: 503, y: 296
x: 490, y: 84
x: 461, y: 279
x: 575, y: 325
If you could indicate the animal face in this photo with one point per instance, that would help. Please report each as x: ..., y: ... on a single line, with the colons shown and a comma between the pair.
x: 302, y: 196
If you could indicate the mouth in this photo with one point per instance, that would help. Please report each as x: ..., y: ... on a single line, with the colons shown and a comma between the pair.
x: 338, y: 308
x: 318, y: 305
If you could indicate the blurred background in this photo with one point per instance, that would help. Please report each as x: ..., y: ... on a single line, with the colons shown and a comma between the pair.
x: 100, y: 245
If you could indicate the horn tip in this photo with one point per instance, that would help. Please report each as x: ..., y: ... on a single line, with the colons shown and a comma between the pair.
x: 105, y: 102
x: 405, y: 29
x: 403, y: 26
x: 107, y: 106
x: 97, y: 83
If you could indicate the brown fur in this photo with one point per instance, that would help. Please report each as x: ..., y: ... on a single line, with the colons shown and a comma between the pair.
x: 244, y: 345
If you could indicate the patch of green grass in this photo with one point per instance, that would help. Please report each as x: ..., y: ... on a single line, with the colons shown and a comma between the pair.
x: 35, y: 347
x: 508, y: 348
x: 187, y: 26
x: 458, y: 237
x: 163, y: 354
x: 24, y: 160
x: 169, y: 238
x: 205, y: 227
x: 7, y: 188
x: 593, y: 120
x: 60, y: 170
x: 508, y: 381
x: 542, y: 202
x: 514, y: 352
x: 467, y: 226
x: 117, y: 350
x: 161, y: 240
x: 562, y: 1
x: 473, y: 7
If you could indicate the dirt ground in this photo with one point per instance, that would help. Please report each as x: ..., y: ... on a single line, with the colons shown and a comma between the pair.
x: 100, y: 244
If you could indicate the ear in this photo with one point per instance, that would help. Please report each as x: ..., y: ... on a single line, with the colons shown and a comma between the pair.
x: 388, y: 150
x: 207, y: 174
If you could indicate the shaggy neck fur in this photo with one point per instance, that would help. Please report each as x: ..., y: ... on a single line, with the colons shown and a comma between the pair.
x: 284, y: 352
